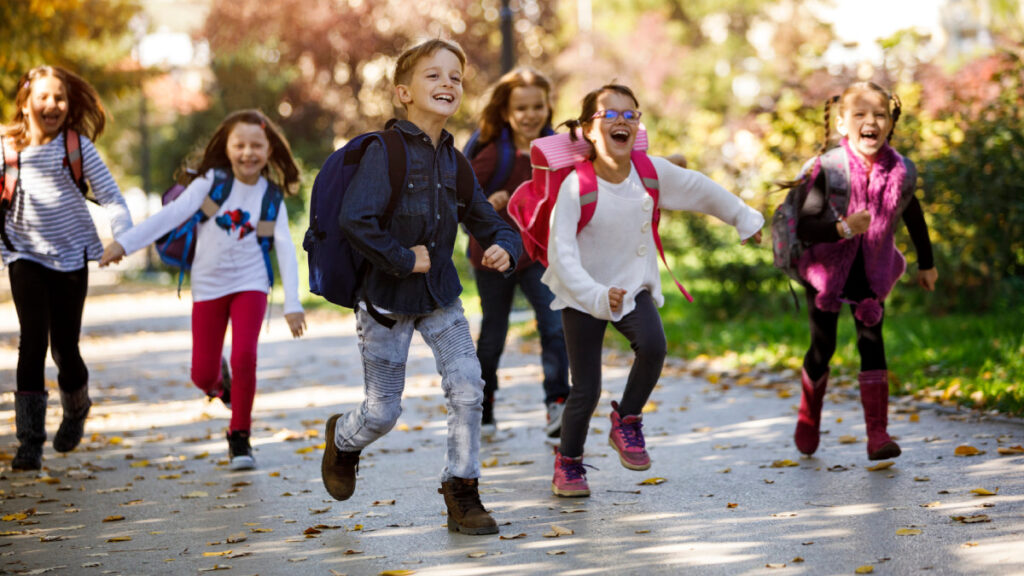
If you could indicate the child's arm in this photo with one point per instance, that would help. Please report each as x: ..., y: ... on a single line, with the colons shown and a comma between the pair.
x: 288, y: 267
x: 105, y: 188
x: 362, y: 210
x: 913, y: 217
x: 502, y: 244
x: 169, y: 217
x: 683, y: 189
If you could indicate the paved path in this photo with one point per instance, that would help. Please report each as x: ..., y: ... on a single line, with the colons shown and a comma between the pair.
x: 149, y: 492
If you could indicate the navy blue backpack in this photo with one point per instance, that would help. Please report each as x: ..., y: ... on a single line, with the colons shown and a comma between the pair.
x: 178, y: 248
x: 336, y: 269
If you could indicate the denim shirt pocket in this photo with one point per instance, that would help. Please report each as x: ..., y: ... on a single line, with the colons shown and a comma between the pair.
x: 409, y: 223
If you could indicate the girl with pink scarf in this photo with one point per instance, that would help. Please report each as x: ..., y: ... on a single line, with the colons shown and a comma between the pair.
x: 852, y: 259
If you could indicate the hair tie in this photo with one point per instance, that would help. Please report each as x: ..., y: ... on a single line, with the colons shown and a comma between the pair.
x: 26, y: 84
x: 263, y: 124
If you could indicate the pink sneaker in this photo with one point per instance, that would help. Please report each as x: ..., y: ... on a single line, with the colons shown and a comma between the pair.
x: 627, y: 438
x: 570, y: 477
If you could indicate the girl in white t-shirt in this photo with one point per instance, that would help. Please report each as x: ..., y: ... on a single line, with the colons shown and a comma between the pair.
x: 230, y: 278
x: 608, y: 272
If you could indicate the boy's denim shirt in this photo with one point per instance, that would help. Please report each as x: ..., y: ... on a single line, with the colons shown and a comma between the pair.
x: 426, y: 214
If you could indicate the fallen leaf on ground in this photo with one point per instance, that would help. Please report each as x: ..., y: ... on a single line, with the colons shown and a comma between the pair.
x: 557, y: 531
x: 120, y: 539
x: 921, y: 479
x: 652, y: 481
x: 397, y: 573
x: 973, y: 519
x: 222, y: 553
x: 516, y: 537
x: 479, y: 554
x: 984, y: 492
x: 935, y: 504
x: 1009, y: 451
x: 784, y: 464
x: 489, y: 463
x: 115, y: 518
x: 215, y: 567
x: 262, y: 530
x: 966, y: 450
x: 556, y: 552
x: 881, y: 466
x: 15, y: 517
x: 797, y: 560
x: 236, y: 538
x: 774, y: 565
x: 350, y: 552
x: 383, y: 503
x: 864, y: 569
x: 908, y: 532
x: 194, y: 494
x: 731, y: 505
x: 847, y: 439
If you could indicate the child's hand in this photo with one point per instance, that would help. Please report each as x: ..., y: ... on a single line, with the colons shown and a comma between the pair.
x: 926, y: 278
x: 296, y: 323
x: 422, y: 265
x: 496, y: 258
x: 859, y: 222
x: 615, y: 296
x: 677, y: 159
x: 499, y: 200
x: 111, y: 254
x: 756, y: 238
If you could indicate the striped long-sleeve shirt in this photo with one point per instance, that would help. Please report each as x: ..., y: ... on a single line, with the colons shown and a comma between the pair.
x: 49, y: 221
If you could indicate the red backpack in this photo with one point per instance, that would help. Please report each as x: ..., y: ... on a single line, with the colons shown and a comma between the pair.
x: 553, y: 158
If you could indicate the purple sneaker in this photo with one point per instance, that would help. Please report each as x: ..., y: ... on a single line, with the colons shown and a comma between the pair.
x: 570, y: 477
x: 627, y: 438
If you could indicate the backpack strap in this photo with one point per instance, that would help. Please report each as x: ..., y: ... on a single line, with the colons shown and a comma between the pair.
x: 73, y: 159
x: 269, y: 209
x: 219, y: 192
x: 588, y: 192
x: 12, y: 167
x: 836, y: 167
x: 506, y: 160
x: 649, y: 175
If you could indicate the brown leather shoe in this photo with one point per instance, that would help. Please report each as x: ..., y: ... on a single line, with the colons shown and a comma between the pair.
x: 465, y: 512
x: 338, y: 469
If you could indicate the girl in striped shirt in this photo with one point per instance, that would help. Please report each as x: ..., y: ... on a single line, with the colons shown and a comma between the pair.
x: 48, y: 238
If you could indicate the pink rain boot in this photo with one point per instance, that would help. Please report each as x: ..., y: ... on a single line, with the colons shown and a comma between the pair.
x: 808, y: 423
x: 874, y: 396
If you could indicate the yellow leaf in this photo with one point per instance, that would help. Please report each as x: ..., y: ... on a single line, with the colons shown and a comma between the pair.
x: 713, y: 378
x: 262, y: 530
x: 908, y: 532
x: 201, y: 455
x: 49, y: 480
x: 1007, y: 451
x: 731, y: 505
x: 305, y: 450
x: 169, y: 476
x: 556, y: 552
x: 115, y: 440
x: 784, y: 464
x: 115, y: 518
x: 490, y: 462
x: 973, y: 519
x: 120, y: 539
x: 641, y: 532
x: 140, y: 464
x: 403, y: 427
x: 881, y: 466
x: 984, y: 492
x: 847, y: 439
x: 965, y: 450
x: 274, y: 474
x: 15, y: 516
x: 652, y: 481
x: 783, y: 393
x: 224, y: 553
x: 397, y: 572
x: 864, y: 569
x: 195, y: 494
x: 557, y: 531
x: 651, y: 406
x: 915, y: 417
x: 839, y: 420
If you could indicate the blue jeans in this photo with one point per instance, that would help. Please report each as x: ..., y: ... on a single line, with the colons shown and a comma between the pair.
x: 385, y: 353
x: 496, y: 294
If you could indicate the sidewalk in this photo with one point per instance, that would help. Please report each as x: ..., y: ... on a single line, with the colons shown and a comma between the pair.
x: 149, y: 491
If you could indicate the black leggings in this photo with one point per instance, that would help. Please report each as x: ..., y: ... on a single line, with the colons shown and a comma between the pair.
x: 823, y: 340
x: 584, y: 341
x: 49, y: 305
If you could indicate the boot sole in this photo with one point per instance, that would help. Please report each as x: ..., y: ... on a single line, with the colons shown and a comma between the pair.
x: 482, y: 531
x: 570, y: 493
x: 889, y: 450
x: 626, y: 463
x: 324, y: 467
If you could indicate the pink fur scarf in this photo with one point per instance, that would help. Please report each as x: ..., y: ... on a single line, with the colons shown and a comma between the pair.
x: 826, y: 266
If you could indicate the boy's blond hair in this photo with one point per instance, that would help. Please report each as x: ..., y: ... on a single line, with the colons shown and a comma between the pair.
x: 410, y: 56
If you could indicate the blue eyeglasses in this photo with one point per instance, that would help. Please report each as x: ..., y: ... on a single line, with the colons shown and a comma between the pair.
x: 631, y: 116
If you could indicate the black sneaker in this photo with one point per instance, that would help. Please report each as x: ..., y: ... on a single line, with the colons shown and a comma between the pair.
x: 225, y: 385
x: 239, y: 450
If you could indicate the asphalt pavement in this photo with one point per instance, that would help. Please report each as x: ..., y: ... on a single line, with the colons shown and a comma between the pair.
x: 149, y: 491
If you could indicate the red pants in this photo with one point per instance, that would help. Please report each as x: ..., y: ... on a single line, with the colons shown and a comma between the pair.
x: 209, y: 324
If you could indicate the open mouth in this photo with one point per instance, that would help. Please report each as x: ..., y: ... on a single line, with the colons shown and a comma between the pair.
x: 869, y: 136
x: 620, y: 135
x: 447, y: 98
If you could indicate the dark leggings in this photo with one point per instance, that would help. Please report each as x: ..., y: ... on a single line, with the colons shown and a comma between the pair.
x: 49, y: 305
x: 823, y: 340
x: 584, y: 341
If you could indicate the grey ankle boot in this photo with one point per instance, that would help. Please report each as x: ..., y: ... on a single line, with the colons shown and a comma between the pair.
x: 76, y: 407
x: 30, y: 421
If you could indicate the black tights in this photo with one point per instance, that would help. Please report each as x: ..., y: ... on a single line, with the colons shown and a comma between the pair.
x: 823, y: 340
x: 49, y: 305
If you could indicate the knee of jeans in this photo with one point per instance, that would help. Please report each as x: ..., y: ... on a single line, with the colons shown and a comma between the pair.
x: 464, y: 384
x: 381, y: 417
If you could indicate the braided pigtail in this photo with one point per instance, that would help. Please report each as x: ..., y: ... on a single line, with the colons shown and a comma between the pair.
x: 828, y: 122
x: 897, y: 107
x: 572, y: 124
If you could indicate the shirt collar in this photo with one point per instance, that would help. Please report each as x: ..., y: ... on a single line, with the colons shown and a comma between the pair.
x: 414, y: 130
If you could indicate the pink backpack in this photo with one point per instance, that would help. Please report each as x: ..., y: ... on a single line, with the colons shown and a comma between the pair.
x: 553, y: 158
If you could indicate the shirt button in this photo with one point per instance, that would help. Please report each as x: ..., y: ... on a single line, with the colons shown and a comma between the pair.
x: 646, y: 227
x: 438, y: 216
x: 438, y: 184
x: 410, y: 184
x: 648, y: 203
x: 431, y: 244
x: 641, y: 250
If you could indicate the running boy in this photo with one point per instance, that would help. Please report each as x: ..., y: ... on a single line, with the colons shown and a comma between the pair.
x: 412, y: 281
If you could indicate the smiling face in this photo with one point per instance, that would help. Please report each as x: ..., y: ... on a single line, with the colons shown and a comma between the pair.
x: 248, y: 150
x: 46, y: 109
x: 866, y: 120
x: 527, y: 112
x: 434, y: 87
x: 613, y: 139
